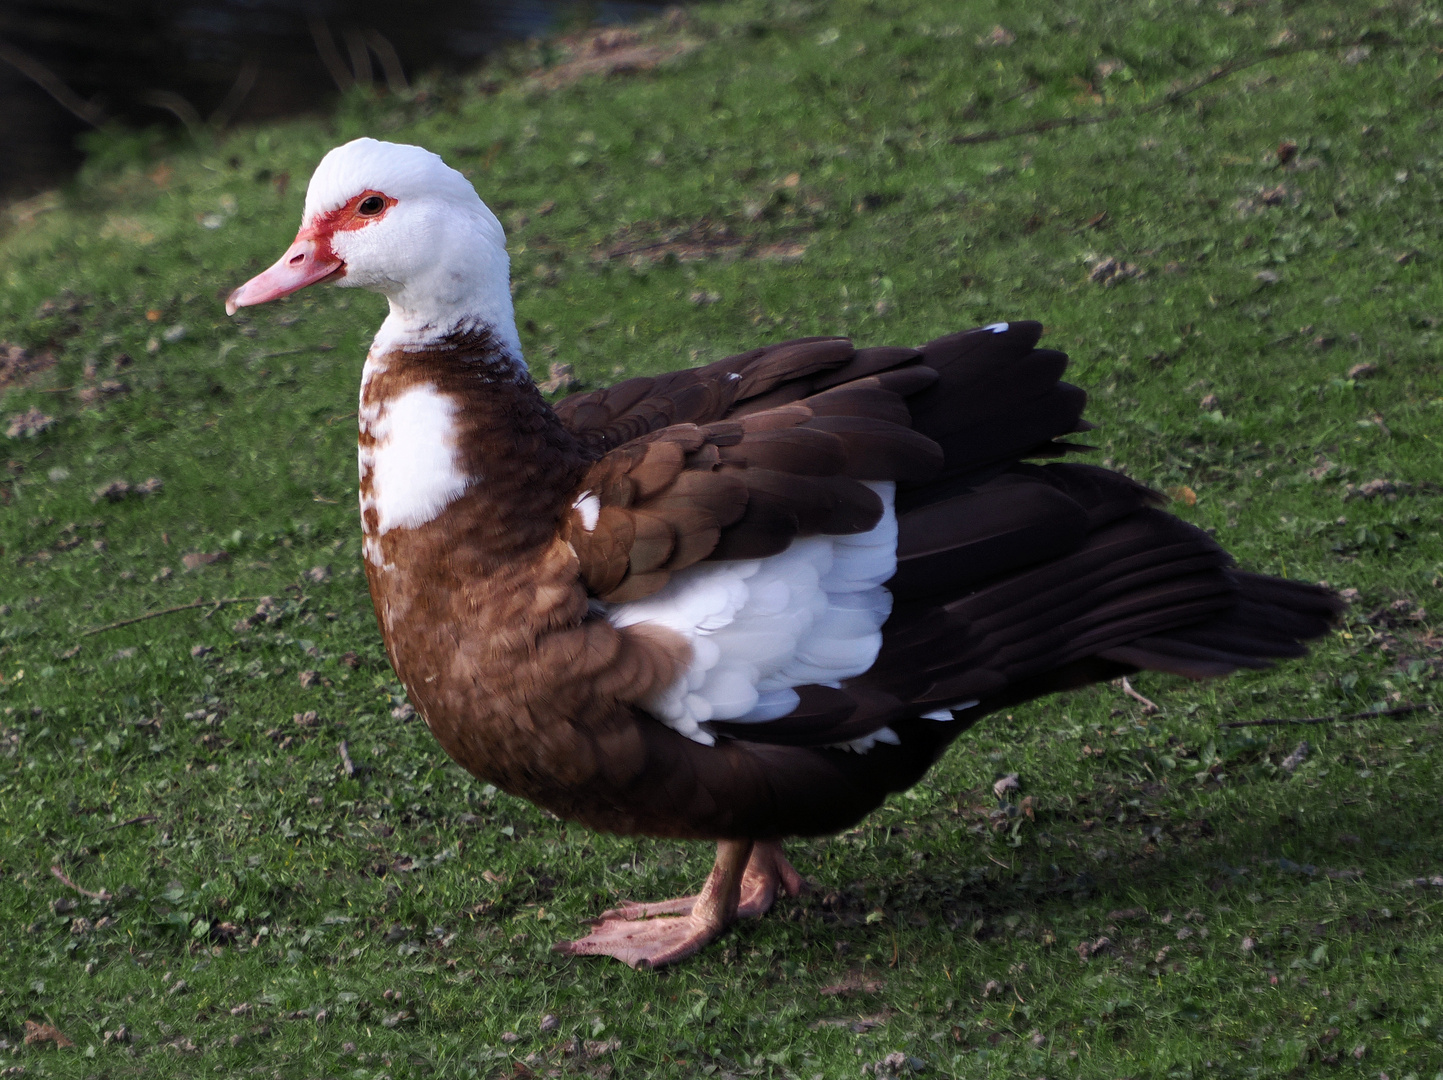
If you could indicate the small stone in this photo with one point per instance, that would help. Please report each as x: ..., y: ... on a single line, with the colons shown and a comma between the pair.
x: 1209, y: 403
x: 306, y: 719
x: 180, y: 987
x: 319, y: 574
x: 510, y: 1037
x: 403, y: 711
x: 1266, y: 277
x: 174, y: 333
x: 309, y: 679
x: 243, y: 1009
x: 550, y: 1022
x: 114, y: 491
x: 1362, y: 371
x: 201, y: 650
x: 1249, y: 944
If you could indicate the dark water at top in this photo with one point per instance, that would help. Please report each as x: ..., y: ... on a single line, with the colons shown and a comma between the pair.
x: 143, y: 62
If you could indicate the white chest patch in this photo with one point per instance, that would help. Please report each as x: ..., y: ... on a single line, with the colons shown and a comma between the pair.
x: 760, y: 627
x: 412, y: 466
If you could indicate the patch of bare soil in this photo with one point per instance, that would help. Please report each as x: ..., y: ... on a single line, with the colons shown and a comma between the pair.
x: 19, y: 365
x: 614, y: 52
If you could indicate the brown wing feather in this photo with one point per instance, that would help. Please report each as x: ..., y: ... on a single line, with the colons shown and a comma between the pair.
x: 738, y: 458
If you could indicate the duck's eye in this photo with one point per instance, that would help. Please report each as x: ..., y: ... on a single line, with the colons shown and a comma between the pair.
x: 371, y: 205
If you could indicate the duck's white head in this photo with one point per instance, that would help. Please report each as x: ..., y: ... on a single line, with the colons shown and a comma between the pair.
x: 398, y: 220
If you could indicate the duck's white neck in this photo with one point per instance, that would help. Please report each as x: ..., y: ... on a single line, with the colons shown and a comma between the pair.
x: 412, y: 328
x: 453, y: 277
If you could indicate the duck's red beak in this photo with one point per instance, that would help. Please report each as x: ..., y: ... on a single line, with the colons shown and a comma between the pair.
x: 307, y: 261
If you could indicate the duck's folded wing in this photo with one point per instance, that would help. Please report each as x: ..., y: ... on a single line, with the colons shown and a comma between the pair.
x: 745, y: 487
x: 737, y: 385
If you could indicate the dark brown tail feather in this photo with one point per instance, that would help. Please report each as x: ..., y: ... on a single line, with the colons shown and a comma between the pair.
x: 1050, y: 576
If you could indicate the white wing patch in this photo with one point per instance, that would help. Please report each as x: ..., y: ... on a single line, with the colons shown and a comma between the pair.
x: 412, y: 466
x: 759, y: 627
x: 997, y: 327
x: 589, y: 507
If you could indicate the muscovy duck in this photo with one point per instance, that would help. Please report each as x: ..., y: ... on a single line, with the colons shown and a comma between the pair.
x: 744, y: 601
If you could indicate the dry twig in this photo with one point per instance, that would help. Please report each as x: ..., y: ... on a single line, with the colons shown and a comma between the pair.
x: 217, y: 604
x: 1147, y: 705
x: 60, y: 876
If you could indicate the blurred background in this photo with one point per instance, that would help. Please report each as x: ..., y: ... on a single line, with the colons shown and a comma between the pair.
x: 68, y: 67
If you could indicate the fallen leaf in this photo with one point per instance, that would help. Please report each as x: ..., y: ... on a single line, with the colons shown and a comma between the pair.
x: 36, y: 1033
x: 1296, y: 758
x: 559, y: 377
x: 1183, y: 494
x: 1111, y: 272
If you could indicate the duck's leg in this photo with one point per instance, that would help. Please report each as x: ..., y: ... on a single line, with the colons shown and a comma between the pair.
x: 742, y: 884
x: 767, y: 871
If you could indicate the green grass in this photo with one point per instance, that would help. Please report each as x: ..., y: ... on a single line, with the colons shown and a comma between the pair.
x: 397, y: 922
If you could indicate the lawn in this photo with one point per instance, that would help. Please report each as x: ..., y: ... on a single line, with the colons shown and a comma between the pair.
x: 226, y: 845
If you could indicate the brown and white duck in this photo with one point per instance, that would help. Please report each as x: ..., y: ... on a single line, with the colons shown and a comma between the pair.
x: 740, y: 602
